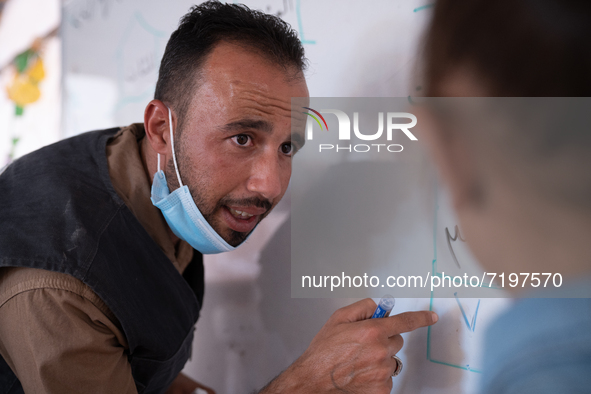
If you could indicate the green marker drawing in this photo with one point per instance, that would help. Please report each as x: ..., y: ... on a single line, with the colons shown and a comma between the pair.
x: 423, y: 7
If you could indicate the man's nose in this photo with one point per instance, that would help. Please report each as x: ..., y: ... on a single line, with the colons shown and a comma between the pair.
x: 267, y: 176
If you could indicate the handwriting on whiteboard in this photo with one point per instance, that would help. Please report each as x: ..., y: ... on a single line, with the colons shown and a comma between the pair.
x: 78, y: 13
x: 455, y: 237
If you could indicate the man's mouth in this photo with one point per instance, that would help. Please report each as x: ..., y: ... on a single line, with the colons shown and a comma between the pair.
x: 240, y: 214
x: 242, y: 219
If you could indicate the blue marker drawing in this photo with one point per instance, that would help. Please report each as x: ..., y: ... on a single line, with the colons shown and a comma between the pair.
x: 471, y: 326
x: 423, y: 7
x: 132, y: 69
x: 435, y: 272
x: 300, y: 25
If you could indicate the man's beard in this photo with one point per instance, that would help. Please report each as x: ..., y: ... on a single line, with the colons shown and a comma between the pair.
x: 199, y: 191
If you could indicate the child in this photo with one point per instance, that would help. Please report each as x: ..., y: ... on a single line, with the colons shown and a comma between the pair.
x: 523, y: 198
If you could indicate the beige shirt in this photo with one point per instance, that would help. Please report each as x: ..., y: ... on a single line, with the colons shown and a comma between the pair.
x: 56, y: 334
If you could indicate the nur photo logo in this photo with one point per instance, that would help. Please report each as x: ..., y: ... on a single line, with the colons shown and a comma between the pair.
x: 395, y: 122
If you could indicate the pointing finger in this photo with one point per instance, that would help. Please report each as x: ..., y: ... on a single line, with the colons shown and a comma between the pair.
x: 408, y: 321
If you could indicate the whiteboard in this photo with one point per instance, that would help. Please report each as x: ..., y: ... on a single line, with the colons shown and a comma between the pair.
x: 112, y: 50
x: 250, y: 329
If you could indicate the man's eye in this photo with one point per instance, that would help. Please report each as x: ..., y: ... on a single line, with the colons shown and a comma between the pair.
x: 241, y: 139
x: 287, y: 149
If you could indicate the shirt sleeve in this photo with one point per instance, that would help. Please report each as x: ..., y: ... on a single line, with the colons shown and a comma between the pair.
x: 57, y: 338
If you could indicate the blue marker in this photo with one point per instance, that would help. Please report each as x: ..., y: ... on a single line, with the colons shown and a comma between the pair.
x: 385, y: 306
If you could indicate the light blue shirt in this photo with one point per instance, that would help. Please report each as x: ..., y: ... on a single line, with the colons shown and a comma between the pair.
x: 540, y: 345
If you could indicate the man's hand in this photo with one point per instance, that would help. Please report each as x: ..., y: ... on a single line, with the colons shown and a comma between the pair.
x: 185, y: 385
x: 351, y: 353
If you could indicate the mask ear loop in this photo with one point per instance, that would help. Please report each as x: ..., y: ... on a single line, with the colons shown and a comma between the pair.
x: 178, y: 175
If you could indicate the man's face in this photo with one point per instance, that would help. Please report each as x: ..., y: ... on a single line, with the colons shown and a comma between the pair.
x: 236, y: 144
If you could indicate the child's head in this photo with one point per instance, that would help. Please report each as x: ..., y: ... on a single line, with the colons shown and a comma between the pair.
x: 520, y: 175
x: 511, y: 48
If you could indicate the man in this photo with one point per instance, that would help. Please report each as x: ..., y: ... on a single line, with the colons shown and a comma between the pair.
x: 103, y: 234
x: 519, y: 177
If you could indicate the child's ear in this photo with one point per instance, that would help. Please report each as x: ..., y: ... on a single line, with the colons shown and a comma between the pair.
x: 453, y: 157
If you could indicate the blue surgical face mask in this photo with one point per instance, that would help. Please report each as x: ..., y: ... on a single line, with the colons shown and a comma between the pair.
x: 181, y: 213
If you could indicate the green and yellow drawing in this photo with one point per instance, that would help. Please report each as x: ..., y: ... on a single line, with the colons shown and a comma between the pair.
x: 24, y: 88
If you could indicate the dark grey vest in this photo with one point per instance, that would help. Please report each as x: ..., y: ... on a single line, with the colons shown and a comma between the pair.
x: 59, y: 212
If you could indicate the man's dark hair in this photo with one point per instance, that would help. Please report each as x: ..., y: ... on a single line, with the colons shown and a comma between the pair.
x: 206, y: 25
x: 518, y: 48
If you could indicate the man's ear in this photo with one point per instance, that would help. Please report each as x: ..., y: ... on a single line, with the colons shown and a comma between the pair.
x: 451, y: 153
x: 157, y: 127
